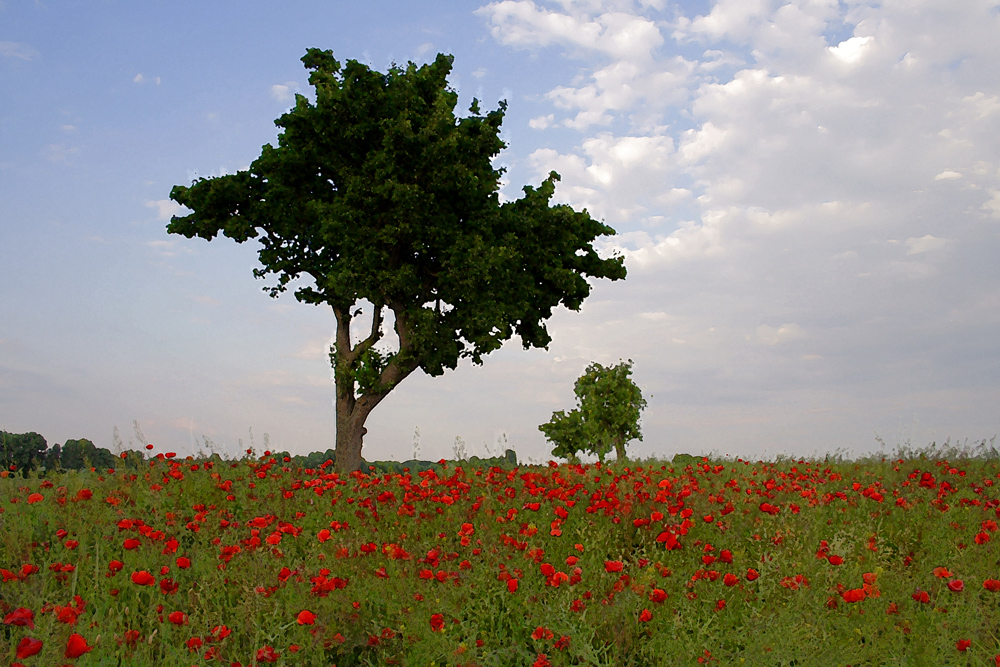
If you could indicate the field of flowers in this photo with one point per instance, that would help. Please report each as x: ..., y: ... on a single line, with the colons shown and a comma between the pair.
x: 250, y: 562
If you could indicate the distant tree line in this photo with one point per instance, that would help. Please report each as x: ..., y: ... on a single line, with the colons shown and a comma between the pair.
x: 26, y: 452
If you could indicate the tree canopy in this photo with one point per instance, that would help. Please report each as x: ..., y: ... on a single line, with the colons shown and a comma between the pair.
x: 607, y: 416
x: 377, y: 193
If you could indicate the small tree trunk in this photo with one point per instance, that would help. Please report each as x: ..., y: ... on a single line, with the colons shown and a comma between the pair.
x: 620, y: 448
x: 351, y: 416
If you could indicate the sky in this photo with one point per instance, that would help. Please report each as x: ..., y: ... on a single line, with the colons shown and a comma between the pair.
x: 806, y: 194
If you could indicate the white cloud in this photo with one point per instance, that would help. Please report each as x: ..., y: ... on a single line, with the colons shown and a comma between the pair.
x: 729, y: 19
x: 541, y: 122
x: 702, y: 142
x: 166, y: 208
x: 925, y: 243
x: 284, y: 92
x: 757, y: 182
x: 852, y: 50
x: 524, y: 24
x: 18, y: 50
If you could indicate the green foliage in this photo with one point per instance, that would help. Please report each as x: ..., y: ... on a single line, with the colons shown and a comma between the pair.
x: 377, y: 192
x: 21, y: 451
x: 79, y: 454
x: 28, y: 451
x: 831, y: 574
x: 607, y: 416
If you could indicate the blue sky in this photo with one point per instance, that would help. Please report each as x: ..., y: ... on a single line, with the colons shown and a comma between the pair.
x: 807, y: 195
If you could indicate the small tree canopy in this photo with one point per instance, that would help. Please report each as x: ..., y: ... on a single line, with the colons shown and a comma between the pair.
x: 607, y: 416
x: 378, y: 193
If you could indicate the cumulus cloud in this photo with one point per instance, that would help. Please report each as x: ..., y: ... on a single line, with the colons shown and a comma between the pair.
x: 851, y: 50
x: 755, y: 158
x: 284, y: 92
x: 166, y: 208
x: 926, y: 243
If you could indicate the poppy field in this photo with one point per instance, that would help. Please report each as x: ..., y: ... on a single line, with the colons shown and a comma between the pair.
x: 694, y: 561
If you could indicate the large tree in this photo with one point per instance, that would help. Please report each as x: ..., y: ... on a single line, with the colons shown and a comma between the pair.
x: 379, y: 194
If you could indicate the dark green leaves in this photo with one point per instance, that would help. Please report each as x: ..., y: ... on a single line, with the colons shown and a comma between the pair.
x: 378, y: 192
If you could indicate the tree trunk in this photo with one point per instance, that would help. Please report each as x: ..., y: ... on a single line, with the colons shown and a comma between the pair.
x: 351, y: 416
x: 353, y: 411
x: 620, y: 448
x: 350, y: 436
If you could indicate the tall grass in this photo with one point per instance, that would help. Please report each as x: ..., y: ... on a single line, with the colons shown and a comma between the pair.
x: 694, y: 560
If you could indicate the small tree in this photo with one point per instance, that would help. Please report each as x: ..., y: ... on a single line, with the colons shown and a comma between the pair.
x: 23, y: 451
x: 607, y: 416
x: 379, y: 194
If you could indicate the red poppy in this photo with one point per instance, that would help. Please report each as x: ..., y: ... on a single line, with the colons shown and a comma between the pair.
x: 835, y: 560
x: 658, y: 596
x: 613, y: 566
x: 942, y: 572
x: 143, y: 578
x: 183, y: 563
x: 28, y: 647
x: 66, y: 614
x: 769, y: 508
x: 24, y: 616
x: 542, y: 633
x: 752, y: 574
x: 194, y: 644
x: 512, y: 585
x: 131, y: 543
x: 76, y: 646
x: 35, y: 498
x: 267, y: 654
x: 177, y: 618
x: 437, y: 622
x: 963, y: 644
x: 645, y: 616
x: 956, y: 585
x: 669, y: 540
x: 730, y: 579
x: 541, y: 660
x: 306, y: 617
x: 921, y: 596
x: 854, y: 595
x: 992, y: 585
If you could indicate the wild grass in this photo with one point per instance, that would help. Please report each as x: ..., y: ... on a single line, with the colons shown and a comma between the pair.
x: 785, y: 562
